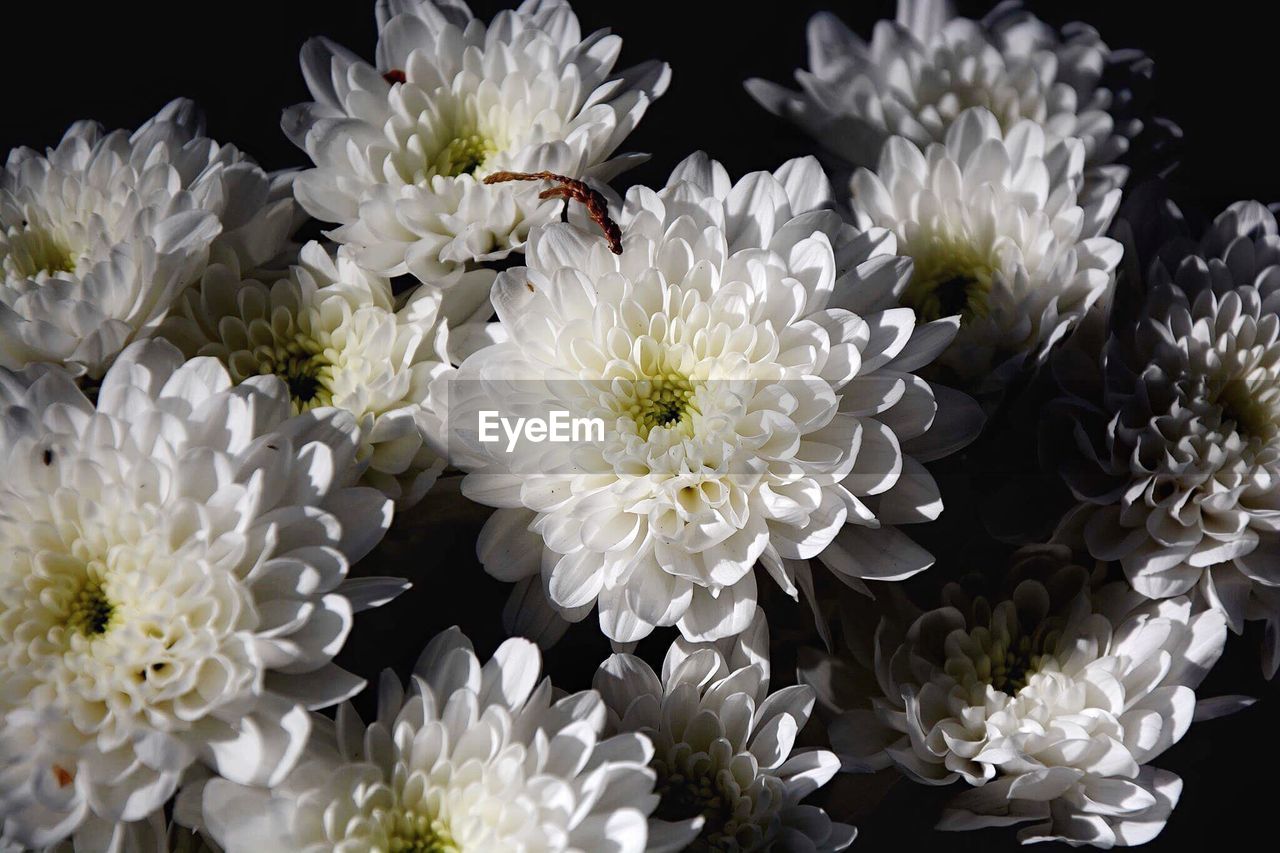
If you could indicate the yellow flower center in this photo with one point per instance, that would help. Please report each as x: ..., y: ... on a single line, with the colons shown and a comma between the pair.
x: 413, y: 832
x: 91, y: 611
x: 663, y: 402
x: 1007, y: 667
x: 305, y: 369
x: 33, y: 250
x: 1006, y: 661
x: 950, y: 277
x: 464, y: 155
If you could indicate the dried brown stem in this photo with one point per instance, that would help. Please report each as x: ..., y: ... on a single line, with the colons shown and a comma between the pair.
x: 571, y: 190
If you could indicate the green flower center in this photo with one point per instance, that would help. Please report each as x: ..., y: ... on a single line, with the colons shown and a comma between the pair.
x: 663, y: 402
x: 306, y: 371
x: 1005, y: 659
x: 464, y: 155
x: 91, y: 611
x: 33, y: 250
x: 949, y: 277
x: 1007, y: 668
x: 1254, y: 410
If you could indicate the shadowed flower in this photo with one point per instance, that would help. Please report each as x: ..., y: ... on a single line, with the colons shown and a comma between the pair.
x: 1050, y: 703
x: 921, y: 71
x: 1177, y: 440
x: 991, y: 220
x: 727, y: 774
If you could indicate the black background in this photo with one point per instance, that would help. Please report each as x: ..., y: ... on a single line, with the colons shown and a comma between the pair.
x: 119, y: 62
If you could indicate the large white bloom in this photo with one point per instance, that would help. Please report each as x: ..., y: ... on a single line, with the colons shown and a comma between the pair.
x: 755, y: 380
x: 921, y: 71
x: 99, y: 235
x: 172, y: 585
x: 991, y: 220
x: 1177, y: 454
x: 477, y: 758
x: 1051, y: 703
x: 401, y: 148
x: 333, y: 333
x: 727, y: 775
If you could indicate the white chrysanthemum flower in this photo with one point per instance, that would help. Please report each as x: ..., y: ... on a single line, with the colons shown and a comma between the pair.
x: 727, y: 775
x: 475, y: 759
x: 333, y: 333
x: 992, y: 222
x: 99, y: 235
x: 754, y: 381
x: 1178, y: 437
x: 921, y: 71
x: 1051, y: 703
x: 401, y: 148
x: 172, y: 585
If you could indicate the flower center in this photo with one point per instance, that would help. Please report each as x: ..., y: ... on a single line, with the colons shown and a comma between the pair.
x: 663, y: 402
x: 1255, y: 411
x: 685, y: 793
x: 91, y: 612
x: 464, y: 155
x: 1012, y: 665
x: 303, y: 384
x: 949, y: 278
x: 305, y: 370
x: 1003, y: 655
x: 411, y: 831
x: 33, y: 250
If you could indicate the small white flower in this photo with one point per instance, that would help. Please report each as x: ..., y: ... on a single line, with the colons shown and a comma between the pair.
x: 401, y: 149
x: 1177, y: 450
x: 756, y: 383
x: 476, y: 758
x: 920, y: 72
x: 991, y: 220
x: 172, y: 585
x: 99, y: 235
x: 1051, y: 703
x: 727, y: 775
x: 333, y: 333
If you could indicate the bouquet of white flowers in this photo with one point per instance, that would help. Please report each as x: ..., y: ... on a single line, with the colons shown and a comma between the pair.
x: 706, y: 440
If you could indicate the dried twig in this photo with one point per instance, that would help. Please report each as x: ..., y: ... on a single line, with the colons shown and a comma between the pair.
x: 571, y: 190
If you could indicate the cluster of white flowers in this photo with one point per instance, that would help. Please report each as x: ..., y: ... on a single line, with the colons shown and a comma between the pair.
x: 205, y: 426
